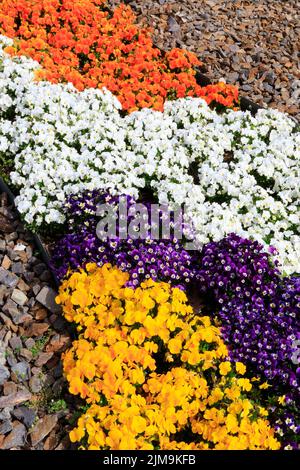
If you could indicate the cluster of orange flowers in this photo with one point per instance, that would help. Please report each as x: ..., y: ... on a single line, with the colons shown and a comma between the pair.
x: 82, y: 42
x: 155, y: 375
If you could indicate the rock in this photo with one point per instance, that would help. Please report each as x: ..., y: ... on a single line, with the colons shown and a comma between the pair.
x: 29, y: 343
x: 4, y: 374
x: 12, y: 309
x: 60, y: 324
x: 5, y: 414
x: 26, y: 415
x: 37, y: 329
x: 46, y: 276
x: 7, y: 278
x: 51, y: 442
x: 6, y: 262
x: 26, y: 354
x: 16, y: 438
x: 46, y: 297
x: 8, y: 322
x: 43, y: 358
x: 36, y: 289
x: 3, y: 293
x: 23, y: 286
x: 19, y: 297
x: 58, y: 371
x: 20, y: 247
x: 18, y: 268
x: 28, y: 276
x: 2, y: 353
x: 5, y: 427
x: 16, y: 343
x: 15, y: 398
x: 11, y: 237
x: 58, y: 343
x: 41, y: 314
x: 11, y: 359
x: 21, y: 371
x: 2, y: 245
x: 10, y: 388
x: 5, y: 225
x: 42, y: 429
x: 36, y: 384
x: 39, y: 268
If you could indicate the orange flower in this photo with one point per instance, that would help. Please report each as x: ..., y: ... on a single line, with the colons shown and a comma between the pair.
x: 82, y: 42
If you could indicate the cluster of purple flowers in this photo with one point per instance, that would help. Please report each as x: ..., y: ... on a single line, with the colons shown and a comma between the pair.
x: 260, y: 315
x: 159, y: 259
x: 260, y: 312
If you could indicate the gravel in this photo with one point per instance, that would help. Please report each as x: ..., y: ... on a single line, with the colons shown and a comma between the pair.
x: 254, y: 44
x: 32, y: 387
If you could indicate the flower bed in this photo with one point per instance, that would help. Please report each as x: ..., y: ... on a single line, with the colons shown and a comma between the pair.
x: 154, y: 373
x: 82, y: 42
x: 87, y: 138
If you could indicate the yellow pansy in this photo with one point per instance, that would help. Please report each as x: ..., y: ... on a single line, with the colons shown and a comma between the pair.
x: 240, y: 368
x: 225, y: 368
x: 175, y: 346
x: 137, y: 397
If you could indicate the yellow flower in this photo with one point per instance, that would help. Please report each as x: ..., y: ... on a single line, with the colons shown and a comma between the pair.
x: 264, y: 386
x: 138, y: 424
x: 240, y: 368
x: 281, y: 400
x: 121, y: 366
x: 76, y: 434
x: 232, y: 424
x: 175, y: 346
x: 245, y: 384
x: 225, y: 368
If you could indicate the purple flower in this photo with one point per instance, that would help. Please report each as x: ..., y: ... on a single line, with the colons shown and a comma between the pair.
x: 162, y: 259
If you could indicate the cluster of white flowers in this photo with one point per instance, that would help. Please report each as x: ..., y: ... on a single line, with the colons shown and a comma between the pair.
x: 234, y: 172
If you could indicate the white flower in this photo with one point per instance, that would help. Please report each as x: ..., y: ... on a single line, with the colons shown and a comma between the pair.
x: 233, y: 172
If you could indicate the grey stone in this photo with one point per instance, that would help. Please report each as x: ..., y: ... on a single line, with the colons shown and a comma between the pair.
x: 10, y: 357
x: 19, y: 297
x: 15, y: 343
x: 26, y: 415
x: 36, y: 384
x: 46, y: 297
x: 2, y: 245
x: 11, y: 308
x: 26, y: 354
x: 15, y: 398
x: 3, y: 293
x: 43, y: 428
x: 18, y: 268
x: 5, y: 427
x: 7, y: 278
x: 36, y: 289
x: 39, y: 268
x: 43, y: 358
x: 60, y: 324
x: 4, y: 374
x: 11, y: 237
x: 29, y: 343
x: 22, y: 371
x: 2, y: 353
x: 5, y: 414
x: 16, y: 437
x: 28, y: 276
x: 45, y: 276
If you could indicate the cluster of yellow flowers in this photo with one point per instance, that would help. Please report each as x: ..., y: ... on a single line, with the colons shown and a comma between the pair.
x: 155, y: 375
